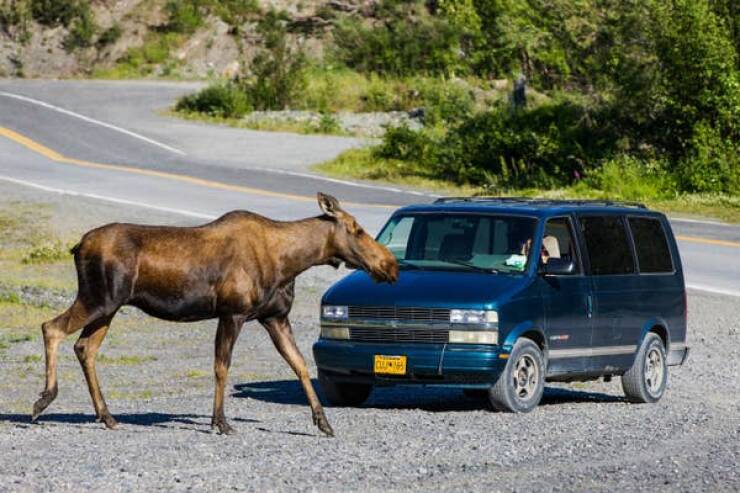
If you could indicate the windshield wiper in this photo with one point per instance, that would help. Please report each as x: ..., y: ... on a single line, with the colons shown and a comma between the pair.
x: 472, y: 266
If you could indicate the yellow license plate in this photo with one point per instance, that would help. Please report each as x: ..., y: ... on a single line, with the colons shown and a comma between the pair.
x: 390, y: 365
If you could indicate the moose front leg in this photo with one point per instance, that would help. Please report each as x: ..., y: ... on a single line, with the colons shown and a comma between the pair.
x: 282, y: 336
x: 226, y: 335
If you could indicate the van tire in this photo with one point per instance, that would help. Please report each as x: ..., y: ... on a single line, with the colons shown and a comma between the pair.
x: 520, y: 386
x: 646, y: 380
x: 344, y: 394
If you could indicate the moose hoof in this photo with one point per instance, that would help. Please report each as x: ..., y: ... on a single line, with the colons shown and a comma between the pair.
x: 223, y: 427
x: 323, y: 424
x: 42, y: 403
x: 108, y: 421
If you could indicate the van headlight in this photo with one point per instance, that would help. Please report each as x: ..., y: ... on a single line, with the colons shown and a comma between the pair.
x: 476, y: 317
x: 335, y: 332
x: 334, y: 312
x: 474, y: 336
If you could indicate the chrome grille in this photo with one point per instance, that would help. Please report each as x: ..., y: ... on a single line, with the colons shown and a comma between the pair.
x: 373, y: 334
x: 399, y: 313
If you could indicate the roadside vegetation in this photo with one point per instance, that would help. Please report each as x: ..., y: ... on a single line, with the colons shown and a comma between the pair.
x: 622, y: 100
x: 635, y: 100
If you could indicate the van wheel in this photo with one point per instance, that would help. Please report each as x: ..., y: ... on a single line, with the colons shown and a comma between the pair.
x: 646, y: 380
x: 343, y: 394
x: 519, y: 388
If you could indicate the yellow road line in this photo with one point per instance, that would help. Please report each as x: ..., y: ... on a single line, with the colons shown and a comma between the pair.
x: 59, y: 158
x: 696, y: 239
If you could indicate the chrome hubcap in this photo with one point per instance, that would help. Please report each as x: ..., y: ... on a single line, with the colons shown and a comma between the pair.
x: 654, y: 371
x: 526, y: 376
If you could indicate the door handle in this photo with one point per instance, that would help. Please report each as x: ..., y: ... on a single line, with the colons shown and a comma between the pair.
x: 589, y: 306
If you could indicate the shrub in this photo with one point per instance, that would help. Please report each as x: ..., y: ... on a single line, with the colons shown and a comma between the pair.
x: 713, y: 165
x: 81, y: 31
x: 184, y: 15
x: 408, y: 41
x: 110, y: 35
x: 220, y: 100
x: 405, y: 144
x: 277, y: 71
x: 57, y: 12
x: 629, y: 178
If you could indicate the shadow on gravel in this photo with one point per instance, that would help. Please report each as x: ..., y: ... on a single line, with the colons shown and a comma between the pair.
x: 161, y: 420
x: 425, y: 398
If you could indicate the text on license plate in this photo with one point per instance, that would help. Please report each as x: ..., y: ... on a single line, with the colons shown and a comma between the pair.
x: 390, y: 365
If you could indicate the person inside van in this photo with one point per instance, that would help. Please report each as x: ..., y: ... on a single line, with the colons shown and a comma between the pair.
x: 550, y: 248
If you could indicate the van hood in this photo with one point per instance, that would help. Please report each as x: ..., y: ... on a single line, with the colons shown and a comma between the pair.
x: 428, y: 289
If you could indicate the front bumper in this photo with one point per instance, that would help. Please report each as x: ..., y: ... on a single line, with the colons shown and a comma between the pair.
x: 458, y: 365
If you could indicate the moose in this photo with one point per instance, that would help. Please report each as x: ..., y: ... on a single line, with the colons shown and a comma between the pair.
x: 237, y: 268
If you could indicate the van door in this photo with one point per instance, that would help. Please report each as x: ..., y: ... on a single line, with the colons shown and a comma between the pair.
x: 566, y: 299
x: 615, y: 288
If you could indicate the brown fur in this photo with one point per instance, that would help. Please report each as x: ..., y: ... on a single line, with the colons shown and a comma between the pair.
x: 239, y: 267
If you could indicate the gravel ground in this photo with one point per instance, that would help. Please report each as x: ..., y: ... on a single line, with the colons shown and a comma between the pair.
x: 157, y: 380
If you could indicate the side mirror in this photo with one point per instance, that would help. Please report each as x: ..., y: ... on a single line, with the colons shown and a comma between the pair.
x: 558, y: 267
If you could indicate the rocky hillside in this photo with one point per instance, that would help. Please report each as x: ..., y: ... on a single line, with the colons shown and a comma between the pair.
x: 142, y: 38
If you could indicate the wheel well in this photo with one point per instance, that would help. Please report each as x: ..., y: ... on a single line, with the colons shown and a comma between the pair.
x: 537, y: 337
x: 662, y: 333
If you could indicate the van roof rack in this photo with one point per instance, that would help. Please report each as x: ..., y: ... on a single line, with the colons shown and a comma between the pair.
x: 544, y: 202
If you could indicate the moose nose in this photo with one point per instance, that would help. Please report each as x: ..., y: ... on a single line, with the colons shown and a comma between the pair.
x: 389, y: 268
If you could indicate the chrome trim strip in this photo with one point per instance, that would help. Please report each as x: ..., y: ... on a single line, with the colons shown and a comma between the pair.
x: 407, y: 324
x: 591, y: 352
x: 678, y: 346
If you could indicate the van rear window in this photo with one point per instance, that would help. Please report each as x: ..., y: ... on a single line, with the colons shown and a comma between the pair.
x: 651, y: 245
x: 608, y: 247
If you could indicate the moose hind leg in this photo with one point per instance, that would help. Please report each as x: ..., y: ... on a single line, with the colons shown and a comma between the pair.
x: 282, y: 336
x: 55, y: 331
x: 86, y: 349
x: 226, y: 335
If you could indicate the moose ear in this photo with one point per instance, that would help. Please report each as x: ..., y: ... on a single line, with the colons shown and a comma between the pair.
x: 329, y: 205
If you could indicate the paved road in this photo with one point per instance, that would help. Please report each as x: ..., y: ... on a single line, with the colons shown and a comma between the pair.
x: 54, y: 135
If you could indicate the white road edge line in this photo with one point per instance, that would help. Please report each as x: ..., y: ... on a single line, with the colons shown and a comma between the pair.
x: 346, y: 182
x: 199, y: 215
x: 700, y: 221
x: 105, y: 198
x: 91, y: 120
x: 712, y: 289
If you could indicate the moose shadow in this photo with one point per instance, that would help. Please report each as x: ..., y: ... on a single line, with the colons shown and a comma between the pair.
x: 196, y: 422
x: 435, y: 399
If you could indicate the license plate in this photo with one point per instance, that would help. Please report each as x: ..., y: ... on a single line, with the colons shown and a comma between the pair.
x: 390, y: 365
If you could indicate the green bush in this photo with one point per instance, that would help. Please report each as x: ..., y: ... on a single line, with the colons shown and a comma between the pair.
x: 404, y: 144
x: 628, y: 178
x: 184, y: 16
x: 110, y: 35
x: 407, y: 41
x: 57, y: 12
x: 81, y: 31
x: 713, y: 164
x: 277, y: 71
x: 220, y: 100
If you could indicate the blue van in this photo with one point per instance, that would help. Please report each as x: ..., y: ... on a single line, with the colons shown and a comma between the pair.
x: 500, y: 295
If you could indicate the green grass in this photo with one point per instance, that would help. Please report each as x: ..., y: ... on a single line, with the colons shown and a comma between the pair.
x: 47, y: 253
x: 267, y: 125
x: 143, y: 61
x: 364, y: 165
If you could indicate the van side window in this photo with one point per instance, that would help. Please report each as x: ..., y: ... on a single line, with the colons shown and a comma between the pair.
x: 651, y: 245
x: 558, y: 241
x: 608, y: 247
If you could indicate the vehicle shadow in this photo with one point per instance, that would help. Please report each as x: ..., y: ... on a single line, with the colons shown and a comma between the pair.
x: 429, y: 398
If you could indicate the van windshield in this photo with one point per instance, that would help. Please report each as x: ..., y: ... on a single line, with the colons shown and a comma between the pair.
x: 453, y: 241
